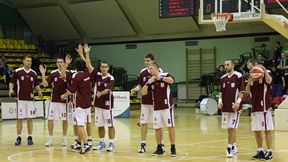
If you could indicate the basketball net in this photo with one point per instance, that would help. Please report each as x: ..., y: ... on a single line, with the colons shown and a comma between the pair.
x: 220, y: 20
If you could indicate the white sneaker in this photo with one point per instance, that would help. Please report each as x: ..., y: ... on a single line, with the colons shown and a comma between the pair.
x: 229, y: 152
x: 100, y: 146
x: 90, y: 142
x: 111, y: 147
x: 234, y: 150
x: 64, y: 141
x: 49, y: 143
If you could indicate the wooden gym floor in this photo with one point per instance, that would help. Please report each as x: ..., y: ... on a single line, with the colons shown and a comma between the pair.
x: 198, y: 138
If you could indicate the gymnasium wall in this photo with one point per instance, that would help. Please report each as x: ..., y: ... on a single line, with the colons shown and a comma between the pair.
x: 171, y: 55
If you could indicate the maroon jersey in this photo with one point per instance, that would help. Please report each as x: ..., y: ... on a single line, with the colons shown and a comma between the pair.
x: 144, y: 76
x: 25, y: 82
x: 231, y: 86
x: 59, y: 84
x: 81, y: 87
x: 102, y: 83
x: 260, y: 94
x: 161, y: 90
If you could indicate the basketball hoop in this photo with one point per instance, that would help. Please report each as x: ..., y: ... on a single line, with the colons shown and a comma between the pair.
x: 220, y: 20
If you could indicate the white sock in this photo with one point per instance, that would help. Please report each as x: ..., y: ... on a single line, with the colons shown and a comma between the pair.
x: 19, y: 135
x: 143, y: 141
x: 90, y: 137
x: 102, y: 140
x: 260, y: 149
x: 50, y: 137
x: 269, y: 150
x: 76, y: 138
x: 29, y: 135
x: 230, y: 145
x: 64, y: 137
x: 111, y: 140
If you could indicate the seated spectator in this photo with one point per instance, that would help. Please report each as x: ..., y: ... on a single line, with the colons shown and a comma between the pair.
x: 278, y: 84
x: 277, y: 52
x: 285, y: 49
x: 35, y: 64
x: 283, y: 63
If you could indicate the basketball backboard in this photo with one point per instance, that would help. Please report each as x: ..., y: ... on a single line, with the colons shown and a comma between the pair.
x: 241, y: 10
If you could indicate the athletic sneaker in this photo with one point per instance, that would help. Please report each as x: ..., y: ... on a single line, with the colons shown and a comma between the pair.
x: 100, y: 146
x: 229, y: 152
x: 267, y: 156
x: 234, y: 150
x: 49, y: 142
x: 64, y: 141
x: 90, y: 142
x: 159, y: 150
x: 258, y: 155
x: 163, y: 147
x: 85, y: 149
x: 173, y: 152
x: 76, y: 145
x: 142, y: 148
x: 30, y: 140
x: 18, y: 141
x: 111, y: 147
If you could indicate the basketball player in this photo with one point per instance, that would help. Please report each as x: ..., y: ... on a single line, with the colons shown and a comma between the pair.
x: 81, y: 86
x: 232, y: 89
x: 159, y: 84
x: 146, y: 112
x: 260, y: 93
x: 26, y: 81
x: 57, y: 109
x: 103, y: 100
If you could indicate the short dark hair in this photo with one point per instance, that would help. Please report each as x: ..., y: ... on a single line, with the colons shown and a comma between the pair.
x: 60, y: 58
x: 232, y: 61
x: 150, y: 56
x: 104, y: 62
x: 252, y: 61
x: 80, y: 64
x: 25, y: 57
x: 155, y: 64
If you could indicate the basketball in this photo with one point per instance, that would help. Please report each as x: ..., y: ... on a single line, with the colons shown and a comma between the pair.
x: 256, y: 73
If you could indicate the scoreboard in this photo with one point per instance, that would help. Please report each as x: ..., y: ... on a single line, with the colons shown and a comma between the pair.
x: 176, y: 8
x: 180, y: 8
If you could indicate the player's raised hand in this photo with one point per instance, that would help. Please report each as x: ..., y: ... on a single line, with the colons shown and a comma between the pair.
x: 87, y: 48
x: 42, y: 69
x: 68, y: 59
x: 79, y: 50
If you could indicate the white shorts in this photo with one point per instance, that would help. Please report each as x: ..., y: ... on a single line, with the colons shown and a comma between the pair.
x: 25, y: 109
x: 103, y: 117
x: 57, y: 111
x: 146, y: 114
x: 262, y: 121
x: 81, y: 116
x: 230, y: 120
x: 167, y: 115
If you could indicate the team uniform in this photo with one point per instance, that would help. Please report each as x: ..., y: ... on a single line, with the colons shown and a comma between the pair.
x: 103, y: 105
x: 147, y: 108
x: 81, y: 87
x: 57, y: 109
x: 25, y: 82
x: 261, y: 106
x: 163, y: 103
x: 230, y: 87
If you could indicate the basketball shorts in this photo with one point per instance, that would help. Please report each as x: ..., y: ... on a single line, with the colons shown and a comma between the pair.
x: 103, y: 117
x: 166, y: 115
x: 25, y: 109
x: 57, y: 111
x: 81, y: 116
x: 262, y: 121
x: 146, y: 114
x: 230, y: 120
